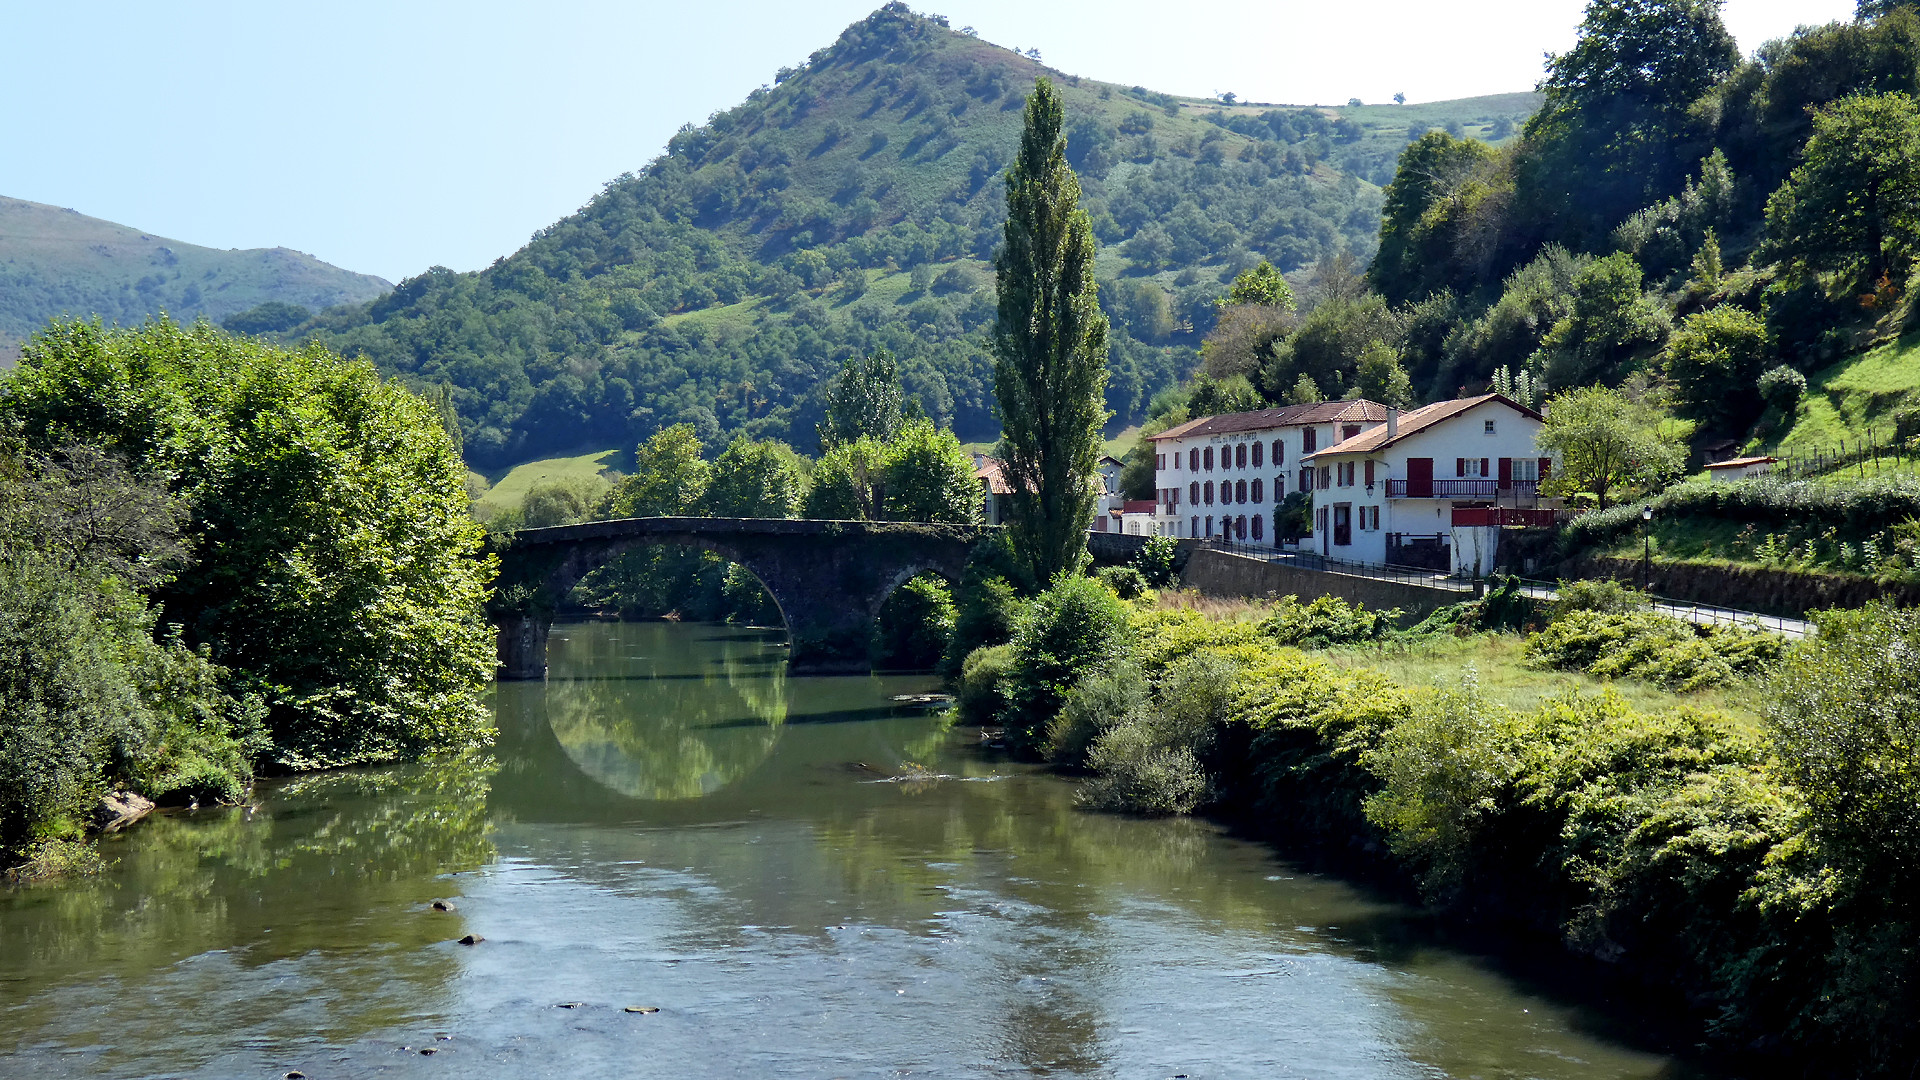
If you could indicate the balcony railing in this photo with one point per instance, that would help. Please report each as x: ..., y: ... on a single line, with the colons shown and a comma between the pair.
x: 1463, y: 489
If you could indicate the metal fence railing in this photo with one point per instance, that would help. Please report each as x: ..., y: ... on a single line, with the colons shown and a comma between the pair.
x: 1687, y: 611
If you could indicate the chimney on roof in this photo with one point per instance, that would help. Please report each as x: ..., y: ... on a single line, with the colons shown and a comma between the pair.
x: 1393, y: 423
x: 979, y: 459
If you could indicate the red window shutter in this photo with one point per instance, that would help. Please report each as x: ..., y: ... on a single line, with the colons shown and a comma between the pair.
x: 1459, y: 466
x: 1506, y: 472
x: 1545, y: 464
x: 1369, y: 472
x: 1483, y: 466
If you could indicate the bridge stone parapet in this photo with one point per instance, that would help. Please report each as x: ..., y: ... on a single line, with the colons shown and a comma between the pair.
x: 829, y: 578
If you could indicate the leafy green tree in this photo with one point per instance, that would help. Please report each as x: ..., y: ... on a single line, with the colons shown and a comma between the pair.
x: 1602, y: 442
x: 1610, y: 322
x: 756, y: 478
x: 1382, y: 379
x: 1714, y: 360
x: 669, y: 479
x: 1609, y: 135
x: 1845, y: 711
x: 1304, y: 392
x: 1050, y: 349
x: 336, y: 563
x: 1214, y: 397
x: 1852, y: 206
x: 1417, y: 241
x: 1261, y: 285
x: 928, y: 477
x: 865, y: 400
x: 1329, y: 343
x: 848, y: 483
x: 563, y: 501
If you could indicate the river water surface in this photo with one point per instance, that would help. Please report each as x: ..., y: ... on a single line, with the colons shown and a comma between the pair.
x: 805, y: 877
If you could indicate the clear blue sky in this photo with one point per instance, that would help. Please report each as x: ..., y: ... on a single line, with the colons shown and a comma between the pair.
x: 388, y: 137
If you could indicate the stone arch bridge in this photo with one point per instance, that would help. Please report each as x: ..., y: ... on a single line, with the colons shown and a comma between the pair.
x: 829, y: 578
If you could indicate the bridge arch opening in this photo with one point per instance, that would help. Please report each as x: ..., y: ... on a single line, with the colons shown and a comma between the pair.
x: 676, y: 582
x: 914, y: 624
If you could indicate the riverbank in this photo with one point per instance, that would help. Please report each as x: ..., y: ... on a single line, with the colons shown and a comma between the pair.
x: 1632, y: 787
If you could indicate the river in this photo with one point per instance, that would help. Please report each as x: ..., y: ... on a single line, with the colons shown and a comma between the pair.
x: 805, y: 877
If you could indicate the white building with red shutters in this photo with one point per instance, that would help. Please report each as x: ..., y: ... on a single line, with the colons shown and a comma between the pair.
x: 1223, y: 476
x: 1431, y: 487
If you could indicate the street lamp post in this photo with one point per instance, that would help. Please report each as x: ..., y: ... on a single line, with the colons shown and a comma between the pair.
x: 1646, y: 548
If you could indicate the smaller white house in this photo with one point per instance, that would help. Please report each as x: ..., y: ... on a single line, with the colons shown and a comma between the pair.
x: 1740, y: 468
x: 1431, y: 487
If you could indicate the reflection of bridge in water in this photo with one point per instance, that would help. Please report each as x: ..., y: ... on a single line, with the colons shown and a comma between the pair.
x: 829, y: 578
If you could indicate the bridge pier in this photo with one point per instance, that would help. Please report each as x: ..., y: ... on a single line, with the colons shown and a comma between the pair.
x: 523, y: 645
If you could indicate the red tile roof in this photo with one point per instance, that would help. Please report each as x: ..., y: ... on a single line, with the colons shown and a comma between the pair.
x: 1418, y: 420
x: 989, y: 471
x: 1325, y: 412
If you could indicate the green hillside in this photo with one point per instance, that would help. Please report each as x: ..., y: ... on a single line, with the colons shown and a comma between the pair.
x: 55, y: 261
x: 854, y: 204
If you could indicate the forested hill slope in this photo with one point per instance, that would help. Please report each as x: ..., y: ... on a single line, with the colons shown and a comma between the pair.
x: 852, y: 205
x: 55, y: 261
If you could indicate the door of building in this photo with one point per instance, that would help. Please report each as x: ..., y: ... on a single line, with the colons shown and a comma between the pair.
x: 1320, y: 529
x: 1420, y: 478
x: 1342, y: 524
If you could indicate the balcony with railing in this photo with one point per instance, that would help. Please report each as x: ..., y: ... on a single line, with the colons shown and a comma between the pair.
x: 1488, y: 490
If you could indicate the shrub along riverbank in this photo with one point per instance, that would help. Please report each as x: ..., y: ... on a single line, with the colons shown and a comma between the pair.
x: 1759, y: 860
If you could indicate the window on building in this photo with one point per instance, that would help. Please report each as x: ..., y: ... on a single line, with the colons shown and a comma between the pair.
x: 1306, y: 479
x: 1470, y: 467
x: 1209, y: 524
x: 1309, y: 440
x: 1349, y: 431
x: 1373, y: 517
x: 1259, y: 492
x: 1526, y: 470
x: 1257, y: 448
x: 1193, y: 492
x: 1325, y: 479
x: 1240, y: 527
x: 1193, y: 529
x: 1240, y: 456
x: 1159, y: 461
x: 1489, y: 428
x: 1193, y: 461
x: 1206, y: 459
x: 1256, y: 527
x: 1345, y: 469
x: 1279, y: 487
x: 1206, y: 492
x: 1239, y: 491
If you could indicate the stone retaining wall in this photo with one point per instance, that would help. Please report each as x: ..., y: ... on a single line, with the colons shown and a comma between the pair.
x: 1216, y: 573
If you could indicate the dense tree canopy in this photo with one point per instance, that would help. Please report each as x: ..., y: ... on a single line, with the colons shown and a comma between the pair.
x: 334, y: 558
x: 1852, y: 207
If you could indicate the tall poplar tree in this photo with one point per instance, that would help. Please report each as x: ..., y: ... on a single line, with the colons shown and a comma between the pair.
x: 1050, y: 350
